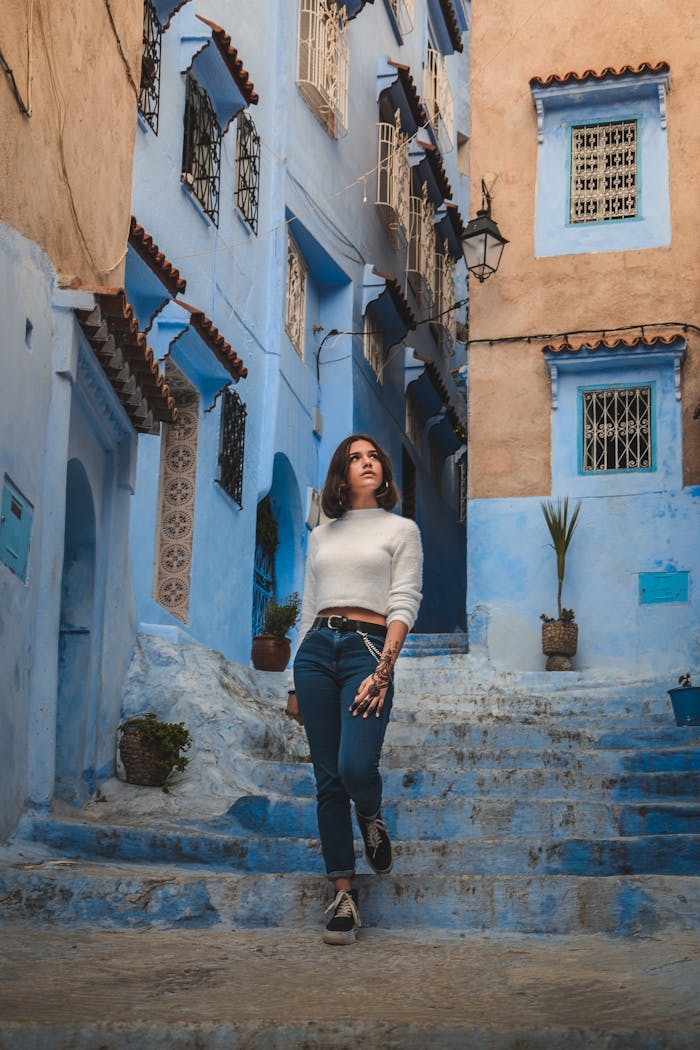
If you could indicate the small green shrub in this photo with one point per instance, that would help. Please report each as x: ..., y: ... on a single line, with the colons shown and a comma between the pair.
x: 280, y: 617
x: 169, y: 737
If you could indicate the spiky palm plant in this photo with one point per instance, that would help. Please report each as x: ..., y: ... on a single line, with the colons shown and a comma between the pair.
x: 561, y: 529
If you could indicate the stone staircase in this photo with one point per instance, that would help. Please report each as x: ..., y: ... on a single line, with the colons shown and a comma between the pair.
x: 532, y: 803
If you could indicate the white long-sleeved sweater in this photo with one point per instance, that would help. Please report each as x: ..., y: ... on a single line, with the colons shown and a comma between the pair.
x: 367, y: 559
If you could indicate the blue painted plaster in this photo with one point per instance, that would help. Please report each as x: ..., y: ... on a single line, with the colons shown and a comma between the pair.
x: 627, y: 99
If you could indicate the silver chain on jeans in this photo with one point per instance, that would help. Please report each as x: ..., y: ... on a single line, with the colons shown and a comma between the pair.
x: 376, y: 653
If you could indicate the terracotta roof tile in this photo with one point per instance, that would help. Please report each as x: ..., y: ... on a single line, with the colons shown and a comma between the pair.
x: 612, y: 343
x: 148, y: 250
x: 448, y: 14
x: 173, y: 9
x: 233, y: 62
x: 212, y: 337
x: 458, y: 424
x: 591, y: 74
x: 412, y: 93
x: 128, y: 362
x: 400, y: 301
x: 434, y: 158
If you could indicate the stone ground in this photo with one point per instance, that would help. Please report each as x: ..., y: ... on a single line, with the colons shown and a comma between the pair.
x: 86, y: 988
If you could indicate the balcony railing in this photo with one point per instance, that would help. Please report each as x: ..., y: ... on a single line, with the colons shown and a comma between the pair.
x: 323, y: 62
x: 438, y: 99
x: 445, y: 323
x: 403, y: 13
x: 393, y: 177
x: 420, y: 253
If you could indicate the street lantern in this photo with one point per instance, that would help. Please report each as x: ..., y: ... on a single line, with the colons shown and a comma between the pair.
x: 483, y: 242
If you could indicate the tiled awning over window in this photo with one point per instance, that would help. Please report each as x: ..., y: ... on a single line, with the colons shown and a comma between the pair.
x: 129, y: 364
x: 354, y: 7
x: 451, y: 24
x: 610, y: 72
x: 389, y: 305
x: 394, y: 79
x: 457, y: 418
x: 166, y: 9
x: 148, y: 275
x: 450, y: 224
x: 221, y: 73
x: 428, y: 159
x: 213, y: 340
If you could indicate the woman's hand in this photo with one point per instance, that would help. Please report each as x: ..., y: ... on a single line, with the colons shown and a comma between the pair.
x: 369, y: 698
x: 293, y: 708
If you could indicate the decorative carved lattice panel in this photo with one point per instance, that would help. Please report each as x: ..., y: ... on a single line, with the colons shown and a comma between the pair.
x: 617, y: 429
x: 295, y: 323
x: 604, y: 172
x: 149, y: 89
x: 323, y: 62
x: 176, y: 493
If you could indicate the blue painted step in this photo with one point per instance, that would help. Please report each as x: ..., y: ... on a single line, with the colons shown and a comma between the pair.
x: 612, y: 760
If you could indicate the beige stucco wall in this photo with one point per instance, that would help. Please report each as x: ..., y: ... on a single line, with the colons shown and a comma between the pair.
x: 65, y: 172
x: 512, y: 41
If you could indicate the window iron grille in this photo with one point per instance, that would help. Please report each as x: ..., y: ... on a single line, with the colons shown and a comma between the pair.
x: 461, y: 488
x: 295, y: 324
x: 445, y: 323
x: 201, y: 150
x: 403, y: 13
x: 232, y: 446
x: 393, y: 180
x: 413, y: 426
x: 604, y: 172
x: 149, y: 89
x: 408, y: 485
x: 438, y: 98
x: 617, y: 429
x: 248, y: 170
x: 373, y: 343
x: 420, y: 252
x: 323, y: 62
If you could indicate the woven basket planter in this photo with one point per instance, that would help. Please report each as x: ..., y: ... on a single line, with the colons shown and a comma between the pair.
x: 559, y: 639
x: 143, y: 762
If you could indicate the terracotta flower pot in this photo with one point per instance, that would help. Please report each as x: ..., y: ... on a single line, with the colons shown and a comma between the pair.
x: 270, y: 653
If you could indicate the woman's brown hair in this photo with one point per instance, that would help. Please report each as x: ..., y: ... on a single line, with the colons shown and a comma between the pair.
x: 334, y: 498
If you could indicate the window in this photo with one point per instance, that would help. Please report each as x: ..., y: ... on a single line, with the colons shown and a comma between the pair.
x: 323, y: 62
x: 408, y: 478
x: 413, y: 426
x: 420, y: 253
x: 461, y: 488
x: 149, y: 90
x: 603, y: 172
x: 438, y: 98
x: 373, y: 343
x: 248, y: 170
x: 393, y: 180
x: 232, y: 446
x: 617, y: 431
x: 402, y: 11
x: 15, y: 529
x: 201, y: 150
x: 295, y: 324
x: 602, y: 181
x: 445, y: 324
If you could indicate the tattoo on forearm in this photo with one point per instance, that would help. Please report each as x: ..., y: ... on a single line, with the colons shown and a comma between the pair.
x: 384, y: 670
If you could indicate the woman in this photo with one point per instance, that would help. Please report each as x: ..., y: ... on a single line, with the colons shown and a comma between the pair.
x: 361, y: 596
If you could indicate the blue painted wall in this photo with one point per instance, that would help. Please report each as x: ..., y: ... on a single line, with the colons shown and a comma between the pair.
x: 314, y: 184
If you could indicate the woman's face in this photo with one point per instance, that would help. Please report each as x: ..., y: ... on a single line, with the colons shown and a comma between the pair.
x: 365, y: 474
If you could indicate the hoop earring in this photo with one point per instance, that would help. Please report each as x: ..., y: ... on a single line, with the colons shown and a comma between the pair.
x: 383, y: 487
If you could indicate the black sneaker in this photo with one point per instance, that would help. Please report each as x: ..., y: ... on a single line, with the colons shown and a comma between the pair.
x: 377, y: 843
x: 345, y: 920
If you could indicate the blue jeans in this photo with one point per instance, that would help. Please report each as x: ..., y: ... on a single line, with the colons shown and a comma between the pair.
x: 345, y: 749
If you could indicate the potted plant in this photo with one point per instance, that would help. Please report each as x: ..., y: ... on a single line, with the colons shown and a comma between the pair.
x: 560, y: 636
x: 271, y: 649
x: 685, y: 700
x: 151, y: 749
